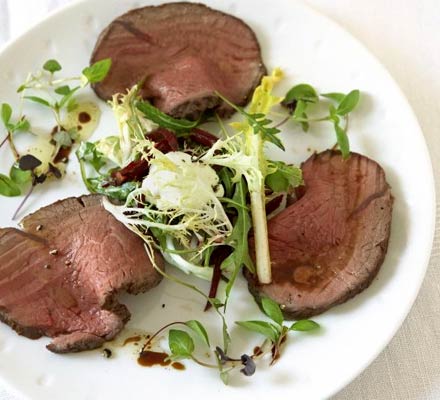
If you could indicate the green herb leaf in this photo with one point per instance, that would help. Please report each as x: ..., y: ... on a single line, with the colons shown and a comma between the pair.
x: 87, y: 152
x: 225, y: 175
x: 259, y: 124
x: 164, y: 120
x: 272, y: 310
x: 63, y: 139
x: 39, y: 100
x: 348, y: 103
x: 180, y: 343
x: 95, y: 185
x: 304, y: 325
x: 52, y: 66
x: 198, y: 328
x: 6, y: 113
x: 224, y: 376
x: 20, y: 176
x: 265, y: 328
x: 72, y: 105
x: 301, y: 92
x: 332, y: 114
x: 63, y: 90
x: 343, y: 142
x: 97, y: 71
x: 8, y: 187
x: 216, y: 302
x: 68, y: 96
x: 338, y: 97
x: 22, y: 125
x: 21, y: 88
x: 284, y: 176
x: 238, y: 238
x: 298, y: 114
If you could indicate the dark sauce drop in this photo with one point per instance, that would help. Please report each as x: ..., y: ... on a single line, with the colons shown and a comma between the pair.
x: 62, y: 155
x: 150, y: 358
x: 257, y: 351
x: 132, y: 339
x: 84, y: 117
x: 177, y: 365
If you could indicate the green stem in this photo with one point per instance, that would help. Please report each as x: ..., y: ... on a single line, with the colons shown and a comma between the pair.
x: 159, y: 331
x: 12, y: 145
x: 226, y: 337
x: 202, y: 363
x: 259, y: 222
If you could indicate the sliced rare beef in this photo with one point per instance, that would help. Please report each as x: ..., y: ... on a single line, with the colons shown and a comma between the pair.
x: 59, y: 276
x: 329, y: 245
x: 183, y: 53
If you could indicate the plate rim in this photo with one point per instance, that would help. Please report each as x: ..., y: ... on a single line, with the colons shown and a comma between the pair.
x: 356, y: 372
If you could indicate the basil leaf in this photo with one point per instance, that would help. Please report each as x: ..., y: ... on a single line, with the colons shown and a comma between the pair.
x: 8, y: 187
x: 304, y: 325
x: 272, y: 310
x: 338, y: 97
x: 348, y: 103
x: 343, y: 142
x: 28, y: 162
x: 198, y: 328
x: 52, y: 66
x: 97, y: 71
x: 265, y: 328
x: 164, y: 120
x: 38, y: 100
x: 20, y: 176
x: 6, y: 113
x: 180, y: 343
x: 63, y: 90
x: 303, y: 92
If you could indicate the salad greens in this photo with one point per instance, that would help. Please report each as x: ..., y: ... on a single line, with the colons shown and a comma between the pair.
x: 194, y: 196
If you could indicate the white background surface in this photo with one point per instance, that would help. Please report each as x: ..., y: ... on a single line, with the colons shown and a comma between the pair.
x: 405, y: 36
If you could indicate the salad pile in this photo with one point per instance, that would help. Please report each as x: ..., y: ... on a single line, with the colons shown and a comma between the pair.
x: 193, y: 194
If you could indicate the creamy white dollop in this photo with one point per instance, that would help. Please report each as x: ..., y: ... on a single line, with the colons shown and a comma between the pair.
x: 176, y: 182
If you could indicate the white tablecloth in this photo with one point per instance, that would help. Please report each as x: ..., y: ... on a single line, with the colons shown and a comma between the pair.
x: 405, y: 36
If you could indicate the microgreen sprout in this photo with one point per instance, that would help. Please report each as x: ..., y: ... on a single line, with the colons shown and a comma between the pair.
x: 47, y: 90
x: 301, y: 97
x: 275, y: 332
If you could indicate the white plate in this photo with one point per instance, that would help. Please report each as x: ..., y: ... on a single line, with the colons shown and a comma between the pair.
x: 310, y: 48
